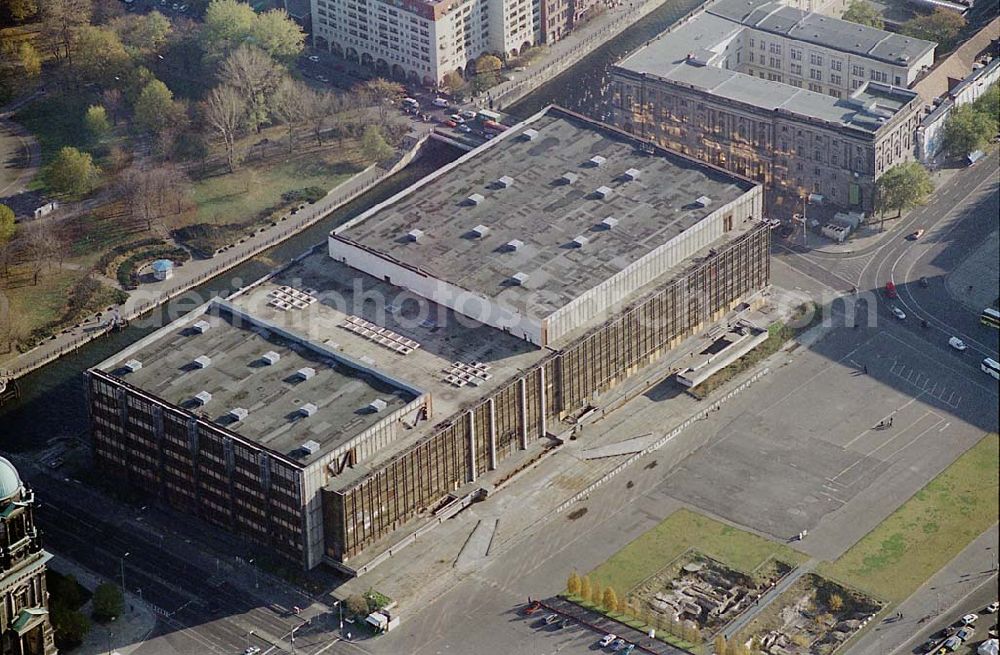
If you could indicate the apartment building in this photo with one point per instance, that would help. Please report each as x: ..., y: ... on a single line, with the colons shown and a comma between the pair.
x: 422, y: 41
x: 805, y: 104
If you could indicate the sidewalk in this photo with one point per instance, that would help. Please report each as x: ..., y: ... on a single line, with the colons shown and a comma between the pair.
x: 194, y: 272
x: 124, y: 634
x: 743, y: 620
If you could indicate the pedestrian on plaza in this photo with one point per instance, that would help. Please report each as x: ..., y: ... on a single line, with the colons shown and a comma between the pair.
x: 890, y: 421
x: 866, y: 369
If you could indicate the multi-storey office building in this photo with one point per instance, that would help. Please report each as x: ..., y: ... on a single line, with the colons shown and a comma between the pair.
x: 493, y: 300
x: 805, y: 104
x: 422, y: 40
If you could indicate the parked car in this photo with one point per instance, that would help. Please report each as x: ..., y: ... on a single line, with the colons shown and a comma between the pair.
x: 916, y: 235
x: 968, y: 619
x: 950, y: 644
x: 314, y: 58
x: 464, y: 129
x: 948, y: 632
x: 440, y: 102
x: 992, y: 607
x: 551, y: 618
x: 606, y: 640
x: 467, y: 114
x: 450, y: 123
x: 565, y: 623
x: 959, y: 345
x: 457, y: 118
x: 929, y: 645
x: 899, y: 313
x: 628, y: 649
x: 966, y: 633
x: 618, y: 644
x: 532, y: 607
x: 251, y: 650
x: 55, y: 463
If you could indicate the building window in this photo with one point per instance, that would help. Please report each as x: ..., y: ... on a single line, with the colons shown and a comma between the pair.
x: 835, y: 79
x: 818, y: 88
x: 775, y: 48
x: 796, y: 54
x: 796, y: 69
x: 835, y: 64
x: 815, y: 75
x: 775, y: 63
x: 858, y: 71
x: 815, y: 59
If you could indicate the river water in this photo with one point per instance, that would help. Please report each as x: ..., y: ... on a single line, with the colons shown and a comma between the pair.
x: 52, y: 398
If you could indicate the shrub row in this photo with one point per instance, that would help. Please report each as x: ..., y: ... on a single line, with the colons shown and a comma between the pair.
x: 127, y: 276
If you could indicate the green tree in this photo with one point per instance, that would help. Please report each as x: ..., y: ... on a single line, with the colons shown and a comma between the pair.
x: 227, y: 24
x: 100, y: 55
x: 20, y: 10
x: 859, y: 11
x: 374, y: 146
x: 585, y: 587
x: 572, y: 584
x: 108, y: 602
x: 72, y: 173
x: 487, y: 72
x: 989, y: 104
x: 155, y: 109
x: 966, y: 130
x: 95, y: 122
x: 836, y: 602
x: 609, y: 599
x: 7, y: 226
x: 942, y: 26
x: 356, y: 605
x: 455, y: 84
x: 142, y: 33
x: 70, y: 626
x: 278, y: 35
x: 902, y: 187
x: 596, y: 596
x: 30, y: 61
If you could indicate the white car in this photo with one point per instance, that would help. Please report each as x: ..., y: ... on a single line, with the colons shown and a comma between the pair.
x: 606, y: 640
x: 959, y: 345
x: 439, y: 102
x: 969, y: 619
x: 899, y: 313
x: 465, y: 129
x: 314, y: 58
x: 251, y: 650
x: 467, y: 114
x: 992, y: 607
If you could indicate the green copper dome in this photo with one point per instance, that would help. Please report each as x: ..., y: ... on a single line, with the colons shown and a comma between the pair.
x: 10, y: 481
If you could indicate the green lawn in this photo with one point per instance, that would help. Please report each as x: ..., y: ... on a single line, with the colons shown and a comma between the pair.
x: 928, y: 530
x: 241, y: 196
x: 679, y: 532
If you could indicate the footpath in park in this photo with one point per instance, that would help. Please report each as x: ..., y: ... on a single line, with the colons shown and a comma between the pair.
x: 196, y: 271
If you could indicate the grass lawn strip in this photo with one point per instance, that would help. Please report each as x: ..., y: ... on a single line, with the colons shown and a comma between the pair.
x: 928, y: 530
x: 679, y: 532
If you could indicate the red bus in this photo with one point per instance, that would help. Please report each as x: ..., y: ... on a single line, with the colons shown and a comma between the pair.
x: 890, y: 289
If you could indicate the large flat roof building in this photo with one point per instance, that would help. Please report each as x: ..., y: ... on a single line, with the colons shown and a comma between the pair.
x: 807, y: 104
x: 416, y: 403
x: 562, y: 222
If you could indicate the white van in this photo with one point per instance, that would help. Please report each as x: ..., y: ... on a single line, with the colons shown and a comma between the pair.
x: 991, y: 367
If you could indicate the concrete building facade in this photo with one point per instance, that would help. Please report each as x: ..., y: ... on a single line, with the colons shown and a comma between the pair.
x: 596, y: 254
x: 421, y: 41
x: 806, y: 104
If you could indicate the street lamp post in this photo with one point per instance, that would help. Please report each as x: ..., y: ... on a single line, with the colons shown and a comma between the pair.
x: 248, y: 639
x: 123, y: 575
x: 254, y: 567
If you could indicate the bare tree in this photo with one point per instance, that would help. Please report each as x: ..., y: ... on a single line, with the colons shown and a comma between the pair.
x: 41, y: 245
x: 60, y: 21
x: 225, y: 111
x: 256, y: 76
x: 291, y: 106
x: 382, y: 94
x: 151, y: 194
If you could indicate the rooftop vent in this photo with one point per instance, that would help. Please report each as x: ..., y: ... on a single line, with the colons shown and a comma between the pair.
x: 308, y: 409
x: 377, y: 405
x: 602, y: 192
x: 480, y: 231
x: 238, y: 413
x: 631, y: 174
x: 133, y: 365
x: 519, y: 278
x: 505, y: 181
x: 514, y: 244
x: 202, y: 361
x: 201, y: 327
x: 580, y: 241
x: 569, y: 178
x: 270, y: 358
x: 306, y: 373
x: 609, y: 222
x: 703, y: 201
x: 202, y: 397
x: 414, y: 235
x: 310, y: 447
x: 529, y: 134
x: 475, y: 199
x: 597, y: 160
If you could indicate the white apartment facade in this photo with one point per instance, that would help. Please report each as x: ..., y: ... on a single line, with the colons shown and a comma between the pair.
x: 422, y: 41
